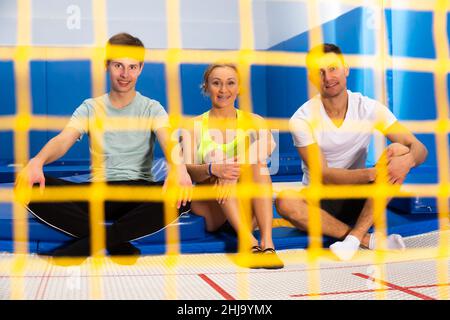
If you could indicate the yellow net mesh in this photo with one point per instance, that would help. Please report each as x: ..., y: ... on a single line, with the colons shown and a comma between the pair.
x: 97, y: 193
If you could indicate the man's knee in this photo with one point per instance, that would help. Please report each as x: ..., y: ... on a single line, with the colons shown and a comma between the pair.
x: 290, y: 206
x: 397, y: 149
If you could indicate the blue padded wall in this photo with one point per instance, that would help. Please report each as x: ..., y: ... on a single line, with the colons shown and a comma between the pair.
x: 353, y: 32
x: 411, y: 95
x: 278, y: 92
x: 58, y: 87
x: 410, y: 33
x: 7, y: 107
x: 193, y: 101
x: 7, y: 92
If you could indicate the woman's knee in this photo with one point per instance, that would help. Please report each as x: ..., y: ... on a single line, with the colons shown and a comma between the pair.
x: 213, y: 219
x: 261, y: 173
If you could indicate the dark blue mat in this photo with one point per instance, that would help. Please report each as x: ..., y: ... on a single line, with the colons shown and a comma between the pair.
x: 194, y: 238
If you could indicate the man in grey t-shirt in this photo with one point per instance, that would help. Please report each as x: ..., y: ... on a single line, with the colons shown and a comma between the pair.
x: 122, y: 153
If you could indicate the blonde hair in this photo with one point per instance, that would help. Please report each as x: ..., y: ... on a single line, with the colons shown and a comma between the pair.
x: 210, y: 68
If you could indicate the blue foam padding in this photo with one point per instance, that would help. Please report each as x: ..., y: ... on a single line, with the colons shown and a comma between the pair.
x: 283, y: 237
x: 418, y: 205
x: 74, y: 170
x: 194, y: 238
x: 36, y: 229
x: 190, y: 226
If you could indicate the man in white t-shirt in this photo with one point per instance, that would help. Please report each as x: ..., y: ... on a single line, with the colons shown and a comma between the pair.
x: 337, y: 124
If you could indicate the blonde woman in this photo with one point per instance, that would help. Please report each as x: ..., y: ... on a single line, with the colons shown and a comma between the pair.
x: 215, y: 149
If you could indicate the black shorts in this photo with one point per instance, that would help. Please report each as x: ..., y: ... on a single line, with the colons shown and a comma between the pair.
x: 346, y: 210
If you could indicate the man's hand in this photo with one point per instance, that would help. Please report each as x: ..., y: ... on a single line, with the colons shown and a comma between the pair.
x: 396, y: 149
x: 398, y: 161
x: 398, y: 168
x: 185, y: 185
x: 28, y: 176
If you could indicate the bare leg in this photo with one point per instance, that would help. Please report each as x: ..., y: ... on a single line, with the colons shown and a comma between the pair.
x: 215, y: 215
x: 263, y: 206
x: 363, y: 224
x: 231, y: 210
x: 292, y: 207
x: 211, y: 211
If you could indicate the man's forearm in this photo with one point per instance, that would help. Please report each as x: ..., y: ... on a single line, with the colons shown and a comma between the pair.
x: 418, y: 153
x: 52, y: 151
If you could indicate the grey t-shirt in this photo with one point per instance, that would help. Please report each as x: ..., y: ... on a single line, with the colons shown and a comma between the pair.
x: 128, y: 154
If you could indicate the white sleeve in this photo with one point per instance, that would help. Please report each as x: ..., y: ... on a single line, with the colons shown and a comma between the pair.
x: 384, y: 117
x: 301, y: 131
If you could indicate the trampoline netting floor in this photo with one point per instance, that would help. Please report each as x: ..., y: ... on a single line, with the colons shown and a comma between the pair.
x: 418, y: 274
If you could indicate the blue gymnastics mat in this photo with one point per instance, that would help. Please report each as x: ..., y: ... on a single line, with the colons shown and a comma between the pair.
x: 407, y: 217
x: 194, y: 238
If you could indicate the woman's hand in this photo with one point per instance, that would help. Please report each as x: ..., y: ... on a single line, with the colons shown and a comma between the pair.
x: 224, y: 188
x: 227, y: 171
x: 184, y: 183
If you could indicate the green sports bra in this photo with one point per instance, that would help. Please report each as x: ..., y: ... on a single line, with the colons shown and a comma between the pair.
x: 208, y: 146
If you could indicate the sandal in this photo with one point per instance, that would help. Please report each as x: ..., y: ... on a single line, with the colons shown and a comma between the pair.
x: 256, y: 249
x: 274, y: 262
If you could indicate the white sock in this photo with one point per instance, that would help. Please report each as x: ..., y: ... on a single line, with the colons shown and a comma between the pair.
x: 394, y: 242
x: 345, y: 249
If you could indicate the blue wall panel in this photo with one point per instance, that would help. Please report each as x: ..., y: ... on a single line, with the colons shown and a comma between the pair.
x: 411, y: 95
x: 284, y: 88
x: 361, y: 80
x: 152, y: 82
x: 6, y: 147
x: 259, y: 90
x: 7, y: 92
x: 38, y: 73
x: 194, y: 102
x: 68, y: 84
x: 58, y: 87
x: 37, y: 140
x: 352, y: 32
x: 411, y: 33
x: 271, y: 24
x: 429, y: 140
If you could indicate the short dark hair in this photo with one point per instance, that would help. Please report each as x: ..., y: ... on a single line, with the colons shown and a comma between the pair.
x: 320, y: 50
x: 124, y: 44
x: 125, y: 39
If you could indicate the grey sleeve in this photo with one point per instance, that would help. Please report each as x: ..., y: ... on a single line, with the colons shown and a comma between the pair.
x: 160, y: 117
x: 80, y: 119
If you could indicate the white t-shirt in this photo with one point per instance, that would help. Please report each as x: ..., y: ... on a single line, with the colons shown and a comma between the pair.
x: 345, y: 146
